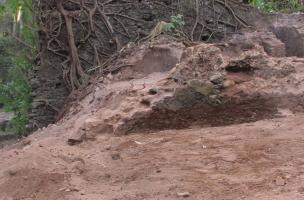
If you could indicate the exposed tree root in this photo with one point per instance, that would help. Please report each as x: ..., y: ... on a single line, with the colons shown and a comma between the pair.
x: 103, y: 27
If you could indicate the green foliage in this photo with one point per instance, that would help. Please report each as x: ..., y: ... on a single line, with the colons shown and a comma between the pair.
x: 6, y: 61
x: 175, y: 25
x: 12, y: 6
x: 15, y: 91
x: 278, y: 6
x: 28, y: 30
x: 24, y: 7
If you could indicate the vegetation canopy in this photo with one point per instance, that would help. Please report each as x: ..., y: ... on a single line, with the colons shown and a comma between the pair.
x: 16, y: 53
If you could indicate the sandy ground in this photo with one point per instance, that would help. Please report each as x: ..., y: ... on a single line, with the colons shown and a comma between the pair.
x: 262, y: 160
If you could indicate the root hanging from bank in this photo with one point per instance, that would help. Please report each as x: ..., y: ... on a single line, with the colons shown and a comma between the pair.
x: 85, y: 34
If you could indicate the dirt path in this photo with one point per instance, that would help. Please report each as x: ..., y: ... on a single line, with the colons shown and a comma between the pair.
x: 262, y: 160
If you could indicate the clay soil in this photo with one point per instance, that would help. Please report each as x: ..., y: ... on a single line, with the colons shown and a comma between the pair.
x: 261, y: 160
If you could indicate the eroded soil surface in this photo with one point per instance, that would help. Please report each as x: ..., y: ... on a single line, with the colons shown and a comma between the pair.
x: 262, y: 160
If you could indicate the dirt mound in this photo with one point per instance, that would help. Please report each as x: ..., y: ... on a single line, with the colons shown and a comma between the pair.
x: 203, y: 85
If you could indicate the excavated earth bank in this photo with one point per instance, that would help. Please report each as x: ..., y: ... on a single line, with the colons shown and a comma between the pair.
x: 205, y: 121
x: 102, y: 27
x: 165, y: 85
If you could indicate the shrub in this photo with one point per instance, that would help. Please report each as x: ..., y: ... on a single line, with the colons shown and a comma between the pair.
x: 281, y: 6
x: 175, y: 25
x: 15, y: 91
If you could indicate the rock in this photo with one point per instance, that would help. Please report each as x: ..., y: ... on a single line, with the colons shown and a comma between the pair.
x: 12, y: 172
x: 216, y: 79
x: 274, y: 47
x: 75, y: 190
x: 108, y: 147
x: 26, y: 142
x: 62, y: 189
x: 91, y: 124
x: 110, y: 76
x: 73, y: 142
x: 292, y: 37
x: 95, y: 126
x: 228, y: 83
x: 183, y: 194
x: 201, y: 87
x: 78, y: 167
x: 115, y: 156
x: 280, y: 181
x: 145, y: 102
x: 153, y: 91
x: 77, y: 137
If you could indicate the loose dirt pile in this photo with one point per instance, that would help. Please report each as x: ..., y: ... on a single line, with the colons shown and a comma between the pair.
x: 174, y: 121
